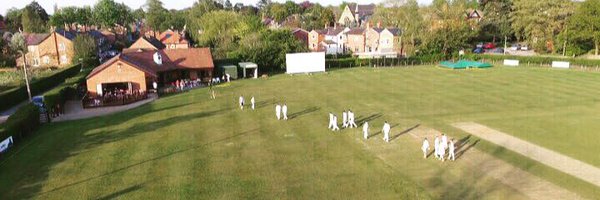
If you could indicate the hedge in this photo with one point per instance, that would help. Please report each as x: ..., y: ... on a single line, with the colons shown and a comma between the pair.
x: 14, y: 96
x: 22, y: 123
x: 358, y: 62
x: 60, y: 94
x: 536, y: 60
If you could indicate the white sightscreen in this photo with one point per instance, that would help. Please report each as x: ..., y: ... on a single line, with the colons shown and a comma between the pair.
x: 305, y: 62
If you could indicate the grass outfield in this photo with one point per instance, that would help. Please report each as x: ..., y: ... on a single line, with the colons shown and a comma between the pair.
x: 187, y: 146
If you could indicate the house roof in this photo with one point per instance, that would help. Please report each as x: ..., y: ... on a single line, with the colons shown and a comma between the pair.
x: 334, y: 31
x: 329, y: 42
x: 192, y: 58
x: 35, y: 38
x: 67, y: 34
x: 362, y: 10
x: 151, y: 42
x: 356, y: 31
x: 395, y: 31
x: 172, y: 37
x: 298, y: 29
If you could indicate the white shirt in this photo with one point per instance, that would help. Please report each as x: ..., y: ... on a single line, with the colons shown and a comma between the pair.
x: 335, y: 120
x: 284, y: 109
x: 252, y: 100
x: 451, y: 146
x: 436, y: 142
x: 278, y: 109
x: 425, y: 145
x: 330, y: 118
x: 444, y: 141
x: 386, y: 128
x: 366, y: 127
x: 350, y: 116
x: 345, y: 116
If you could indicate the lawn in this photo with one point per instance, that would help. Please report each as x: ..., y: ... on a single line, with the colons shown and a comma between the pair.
x: 187, y: 146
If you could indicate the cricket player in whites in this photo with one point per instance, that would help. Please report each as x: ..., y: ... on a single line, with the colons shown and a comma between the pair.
x: 425, y: 147
x: 366, y: 130
x: 344, y: 119
x: 278, y: 111
x: 335, y: 126
x: 444, y: 142
x: 252, y: 102
x: 330, y: 126
x: 351, y: 122
x: 386, y: 131
x: 451, y: 150
x: 284, y: 110
x: 241, y: 102
x: 436, y: 147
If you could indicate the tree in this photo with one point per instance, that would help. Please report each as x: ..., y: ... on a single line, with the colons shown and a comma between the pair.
x: 264, y: 6
x: 403, y: 14
x: 584, y: 26
x: 317, y: 17
x: 157, y: 14
x: 138, y: 15
x: 268, y: 48
x: 107, y: 13
x: 219, y: 31
x: 227, y: 5
x: 496, y: 23
x: 292, y: 8
x: 449, y: 32
x: 13, y: 19
x: 84, y: 47
x: 34, y: 18
x: 174, y: 19
x: 70, y: 15
x: 538, y: 22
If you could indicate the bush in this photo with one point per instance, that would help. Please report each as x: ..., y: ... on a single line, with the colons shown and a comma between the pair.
x: 15, y: 96
x: 60, y: 94
x: 22, y: 123
x: 536, y: 60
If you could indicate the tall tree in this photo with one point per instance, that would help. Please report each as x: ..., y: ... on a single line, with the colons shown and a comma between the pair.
x: 85, y: 49
x: 13, y: 19
x: 538, y: 22
x: 71, y: 14
x: 496, y: 23
x: 219, y: 31
x: 449, y: 31
x: 138, y: 14
x: 107, y: 13
x: 34, y: 18
x: 584, y: 25
x: 156, y: 15
x: 317, y: 17
x: 227, y: 5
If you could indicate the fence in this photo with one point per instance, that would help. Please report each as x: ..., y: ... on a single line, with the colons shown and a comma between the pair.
x: 112, y: 100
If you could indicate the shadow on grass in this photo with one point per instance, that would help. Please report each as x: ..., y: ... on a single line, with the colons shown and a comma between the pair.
x: 262, y: 104
x: 304, y: 112
x: 360, y: 121
x: 65, y: 141
x: 117, y: 194
x: 404, y: 132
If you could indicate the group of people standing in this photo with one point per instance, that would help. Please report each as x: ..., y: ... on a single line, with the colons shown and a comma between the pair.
x: 241, y: 102
x: 279, y: 110
x: 441, y: 144
x: 348, y: 118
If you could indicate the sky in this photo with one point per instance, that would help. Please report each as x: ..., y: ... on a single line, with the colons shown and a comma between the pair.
x: 169, y: 4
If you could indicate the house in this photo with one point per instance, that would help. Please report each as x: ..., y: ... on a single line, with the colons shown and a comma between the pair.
x: 390, y: 40
x: 174, y: 39
x: 301, y: 35
x: 335, y: 40
x: 147, y: 43
x: 48, y: 50
x: 136, y: 71
x: 355, y: 42
x: 474, y: 14
x: 356, y: 15
x: 315, y: 37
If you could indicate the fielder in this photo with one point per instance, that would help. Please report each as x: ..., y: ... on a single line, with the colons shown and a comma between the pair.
x: 366, y: 130
x: 330, y: 126
x: 335, y: 126
x: 344, y: 119
x: 444, y: 142
x: 278, y: 111
x: 284, y: 110
x: 252, y: 102
x: 425, y: 147
x: 386, y: 131
x: 351, y: 122
x: 451, y: 150
x: 436, y: 147
x: 242, y: 102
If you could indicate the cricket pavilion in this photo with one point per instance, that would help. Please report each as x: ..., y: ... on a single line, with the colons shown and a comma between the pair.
x: 136, y: 71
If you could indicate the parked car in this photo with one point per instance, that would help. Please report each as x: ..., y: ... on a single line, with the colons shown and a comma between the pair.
x: 515, y: 47
x: 496, y: 50
x: 478, y: 50
x: 489, y: 45
x: 524, y: 48
x: 39, y: 102
x: 479, y: 45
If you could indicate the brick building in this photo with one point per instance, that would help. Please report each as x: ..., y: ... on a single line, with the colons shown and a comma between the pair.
x: 135, y: 71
